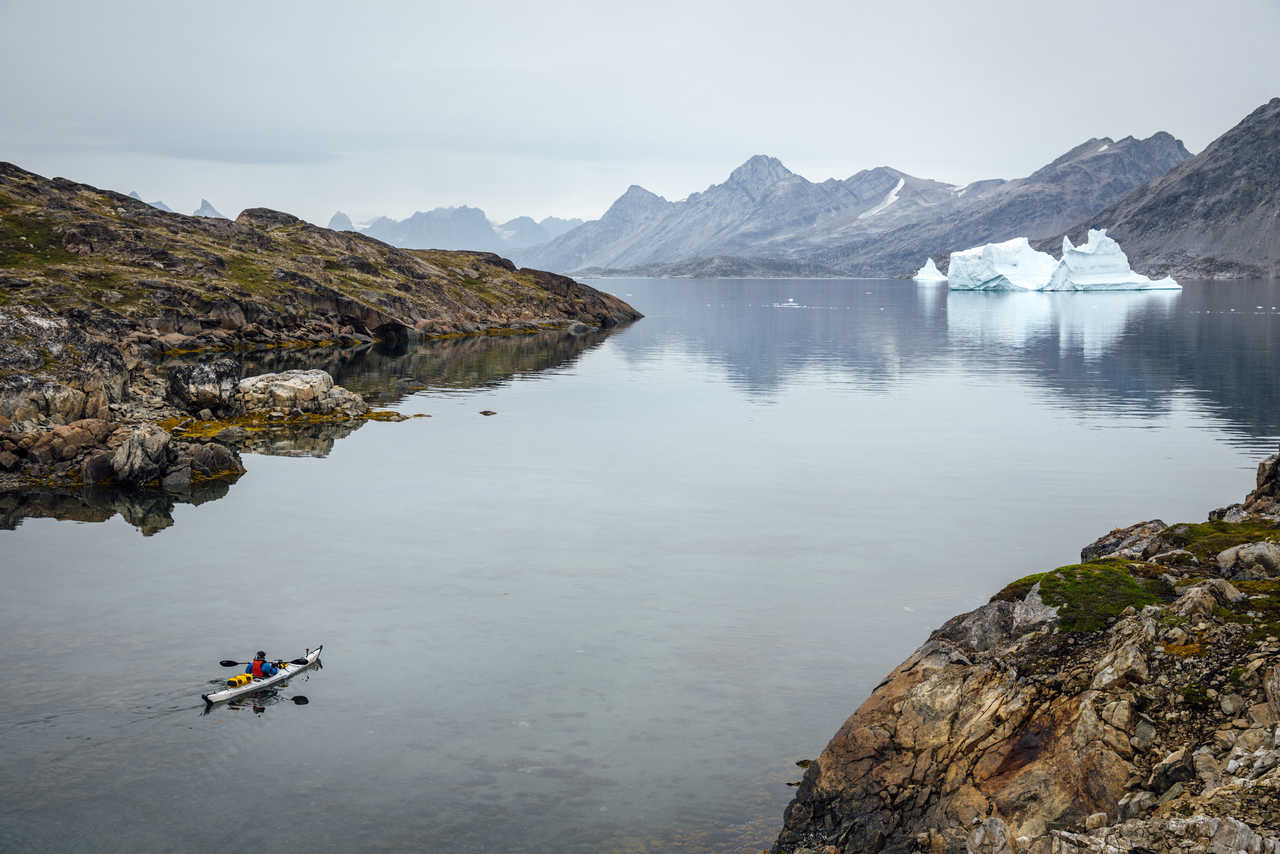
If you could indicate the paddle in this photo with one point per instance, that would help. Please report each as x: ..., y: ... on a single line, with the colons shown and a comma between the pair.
x: 226, y: 662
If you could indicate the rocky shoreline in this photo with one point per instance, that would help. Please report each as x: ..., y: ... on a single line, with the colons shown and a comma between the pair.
x: 1128, y: 703
x: 99, y: 292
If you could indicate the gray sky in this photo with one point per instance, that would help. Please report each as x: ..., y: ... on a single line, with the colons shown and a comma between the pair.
x: 556, y: 107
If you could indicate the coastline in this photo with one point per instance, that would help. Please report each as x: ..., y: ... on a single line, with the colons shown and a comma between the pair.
x: 1128, y: 702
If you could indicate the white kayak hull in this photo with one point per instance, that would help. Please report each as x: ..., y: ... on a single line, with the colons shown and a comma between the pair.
x: 287, y: 671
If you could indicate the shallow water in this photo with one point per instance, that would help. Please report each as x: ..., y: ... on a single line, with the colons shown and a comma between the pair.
x: 612, y: 616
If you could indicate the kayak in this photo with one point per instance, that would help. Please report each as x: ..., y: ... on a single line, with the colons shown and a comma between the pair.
x: 288, y: 669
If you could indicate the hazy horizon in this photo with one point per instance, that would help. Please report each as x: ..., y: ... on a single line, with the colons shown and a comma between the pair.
x: 556, y: 110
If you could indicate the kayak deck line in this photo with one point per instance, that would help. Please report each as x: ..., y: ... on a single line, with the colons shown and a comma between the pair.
x: 287, y: 671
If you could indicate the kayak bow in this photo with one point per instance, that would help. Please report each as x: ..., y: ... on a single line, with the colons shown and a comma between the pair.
x: 287, y: 670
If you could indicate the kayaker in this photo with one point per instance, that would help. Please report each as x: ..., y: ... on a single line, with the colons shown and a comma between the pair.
x: 260, y: 667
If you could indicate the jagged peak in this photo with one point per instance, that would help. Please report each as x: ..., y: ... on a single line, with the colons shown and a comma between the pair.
x: 635, y: 200
x: 760, y: 170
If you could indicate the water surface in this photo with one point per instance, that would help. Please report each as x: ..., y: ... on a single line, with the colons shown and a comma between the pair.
x: 613, y: 615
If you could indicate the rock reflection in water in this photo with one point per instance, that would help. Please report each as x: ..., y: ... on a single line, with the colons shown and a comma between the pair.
x: 386, y: 375
x: 382, y: 375
x: 148, y: 510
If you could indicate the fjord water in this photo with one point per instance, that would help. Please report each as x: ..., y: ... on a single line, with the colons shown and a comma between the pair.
x: 612, y: 616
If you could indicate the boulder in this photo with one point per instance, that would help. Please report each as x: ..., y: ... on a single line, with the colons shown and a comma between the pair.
x: 1250, y: 562
x: 1177, y: 767
x: 1131, y: 543
x: 303, y: 391
x: 206, y: 386
x: 214, y: 459
x: 989, y: 837
x: 144, y: 455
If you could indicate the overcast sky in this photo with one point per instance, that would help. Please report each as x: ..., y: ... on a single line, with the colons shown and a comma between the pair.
x: 556, y: 107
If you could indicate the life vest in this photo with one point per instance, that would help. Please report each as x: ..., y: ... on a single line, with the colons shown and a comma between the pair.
x: 257, y: 667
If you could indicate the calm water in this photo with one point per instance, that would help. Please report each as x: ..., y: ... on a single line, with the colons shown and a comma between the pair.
x: 612, y: 616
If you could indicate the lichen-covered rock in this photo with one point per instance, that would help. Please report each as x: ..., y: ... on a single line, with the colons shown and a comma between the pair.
x: 1250, y: 562
x: 1196, y: 835
x: 144, y: 456
x: 210, y: 385
x: 1130, y: 543
x: 299, y: 391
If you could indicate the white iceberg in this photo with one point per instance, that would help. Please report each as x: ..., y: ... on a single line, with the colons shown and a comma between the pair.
x: 1100, y: 265
x: 929, y: 273
x: 1009, y: 266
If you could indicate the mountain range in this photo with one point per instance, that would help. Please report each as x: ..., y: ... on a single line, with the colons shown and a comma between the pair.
x: 459, y: 228
x: 879, y: 221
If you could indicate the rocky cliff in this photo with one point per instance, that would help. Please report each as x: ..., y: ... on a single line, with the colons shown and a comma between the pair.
x: 1124, y: 703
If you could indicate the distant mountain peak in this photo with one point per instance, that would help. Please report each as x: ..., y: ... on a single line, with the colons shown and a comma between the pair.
x: 341, y: 222
x: 758, y: 172
x: 635, y: 202
x: 207, y: 209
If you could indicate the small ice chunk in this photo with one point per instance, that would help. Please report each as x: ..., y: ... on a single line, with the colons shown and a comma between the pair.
x: 929, y: 273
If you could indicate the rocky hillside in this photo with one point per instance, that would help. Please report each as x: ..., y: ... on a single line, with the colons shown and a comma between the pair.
x: 1083, y: 180
x: 1125, y: 703
x: 877, y: 222
x: 97, y: 289
x: 1216, y: 215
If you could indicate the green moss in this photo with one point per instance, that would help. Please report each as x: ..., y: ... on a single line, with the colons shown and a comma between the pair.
x: 1261, y: 613
x: 1206, y: 539
x: 1195, y: 696
x: 1089, y: 595
x: 1017, y: 590
x: 30, y: 241
x: 250, y: 275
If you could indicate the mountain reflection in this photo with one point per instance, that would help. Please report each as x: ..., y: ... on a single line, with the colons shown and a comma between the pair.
x: 383, y: 376
x: 1128, y: 352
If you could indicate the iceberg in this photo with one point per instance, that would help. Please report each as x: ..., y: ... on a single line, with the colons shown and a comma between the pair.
x: 929, y: 273
x: 1099, y: 264
x: 1009, y: 266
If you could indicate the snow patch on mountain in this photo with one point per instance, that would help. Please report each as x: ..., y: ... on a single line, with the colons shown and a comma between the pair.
x: 889, y: 199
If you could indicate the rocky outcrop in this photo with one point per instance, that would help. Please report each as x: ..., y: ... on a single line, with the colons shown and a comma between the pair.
x: 298, y: 392
x: 210, y: 386
x: 1121, y: 704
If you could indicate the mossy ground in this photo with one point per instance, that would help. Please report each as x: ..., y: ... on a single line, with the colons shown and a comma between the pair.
x: 1206, y: 539
x: 1261, y: 613
x: 1088, y: 595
